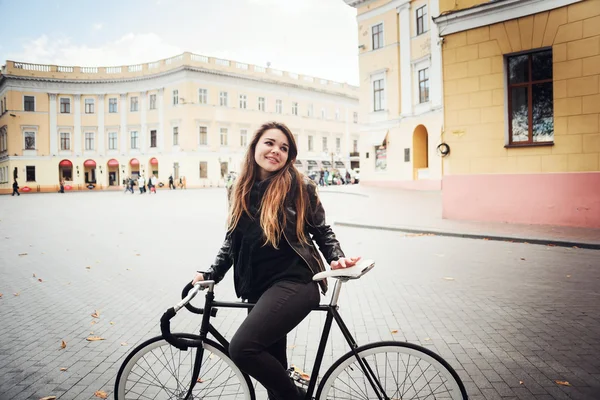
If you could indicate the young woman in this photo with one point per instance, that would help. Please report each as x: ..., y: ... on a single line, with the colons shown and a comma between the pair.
x: 274, y: 217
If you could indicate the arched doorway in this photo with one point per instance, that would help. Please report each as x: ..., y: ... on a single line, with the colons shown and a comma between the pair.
x: 153, y: 170
x: 134, y: 164
x: 420, y: 153
x: 89, y: 171
x: 112, y: 166
x: 65, y: 171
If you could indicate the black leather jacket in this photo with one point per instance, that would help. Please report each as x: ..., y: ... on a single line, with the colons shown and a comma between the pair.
x: 316, y: 228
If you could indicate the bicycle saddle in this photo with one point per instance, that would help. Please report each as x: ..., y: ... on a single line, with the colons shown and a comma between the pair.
x: 354, y: 272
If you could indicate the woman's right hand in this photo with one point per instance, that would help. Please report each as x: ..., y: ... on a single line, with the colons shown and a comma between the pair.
x: 199, y: 277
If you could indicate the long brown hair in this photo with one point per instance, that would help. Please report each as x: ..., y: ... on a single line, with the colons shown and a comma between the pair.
x: 272, y: 218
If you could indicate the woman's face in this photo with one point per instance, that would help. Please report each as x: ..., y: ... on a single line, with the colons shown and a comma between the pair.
x: 271, y: 152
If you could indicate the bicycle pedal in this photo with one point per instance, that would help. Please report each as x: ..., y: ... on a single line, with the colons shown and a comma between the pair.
x: 300, y: 377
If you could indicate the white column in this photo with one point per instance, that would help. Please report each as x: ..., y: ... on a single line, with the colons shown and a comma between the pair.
x: 77, y: 124
x: 123, y: 110
x: 144, y: 107
x: 161, y: 121
x: 53, y: 127
x: 405, y: 66
x: 435, y: 74
x: 101, y: 146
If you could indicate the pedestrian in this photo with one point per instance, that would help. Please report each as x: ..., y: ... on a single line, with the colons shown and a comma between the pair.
x: 274, y: 269
x: 171, y: 185
x: 184, y: 183
x: 321, y: 178
x: 15, y: 188
x: 180, y: 183
x: 326, y: 177
x: 153, y: 182
x: 129, y: 187
x: 62, y: 185
x: 141, y: 184
x: 348, y: 177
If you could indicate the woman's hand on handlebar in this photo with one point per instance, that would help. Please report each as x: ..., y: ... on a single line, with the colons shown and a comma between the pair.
x: 199, y: 277
x: 345, y: 262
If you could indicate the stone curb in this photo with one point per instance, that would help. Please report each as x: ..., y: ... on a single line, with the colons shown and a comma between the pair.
x: 544, y: 242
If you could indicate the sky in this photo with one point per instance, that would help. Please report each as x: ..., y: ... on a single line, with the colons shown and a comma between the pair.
x: 312, y: 37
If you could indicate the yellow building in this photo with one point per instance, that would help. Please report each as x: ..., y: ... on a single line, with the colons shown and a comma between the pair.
x: 400, y: 93
x: 189, y: 115
x: 522, y: 110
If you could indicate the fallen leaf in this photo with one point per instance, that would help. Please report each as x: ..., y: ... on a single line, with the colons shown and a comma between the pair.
x: 63, y: 344
x: 138, y: 254
x: 123, y: 343
x: 200, y: 380
x: 34, y: 274
x: 94, y: 338
x: 486, y: 239
x: 63, y: 369
x: 211, y: 356
x: 0, y: 295
x: 427, y: 339
x: 16, y: 294
x: 292, y: 346
x: 96, y: 314
x: 552, y: 245
x: 448, y: 278
x: 575, y: 247
x: 563, y: 383
x: 40, y: 279
x: 91, y: 333
x: 48, y: 398
x: 112, y: 323
x: 22, y: 254
x: 521, y: 382
x: 395, y: 331
x: 101, y: 394
x: 88, y: 267
x: 568, y: 276
x: 94, y: 322
x: 522, y: 259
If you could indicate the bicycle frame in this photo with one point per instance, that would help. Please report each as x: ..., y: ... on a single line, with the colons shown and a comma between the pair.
x: 331, y: 309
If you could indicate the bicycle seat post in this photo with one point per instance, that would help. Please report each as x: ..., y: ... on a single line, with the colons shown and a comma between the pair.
x: 337, y: 288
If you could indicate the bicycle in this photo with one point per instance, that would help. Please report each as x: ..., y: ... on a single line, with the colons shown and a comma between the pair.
x: 200, y: 368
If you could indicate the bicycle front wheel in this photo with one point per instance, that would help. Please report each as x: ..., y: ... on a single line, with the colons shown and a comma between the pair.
x: 397, y: 369
x: 158, y: 371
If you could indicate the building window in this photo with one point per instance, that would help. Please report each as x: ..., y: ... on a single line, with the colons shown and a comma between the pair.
x: 29, y: 140
x: 337, y: 114
x: 355, y: 146
x: 112, y: 105
x: 338, y: 145
x: 294, y: 108
x: 175, y: 136
x: 89, y: 106
x: 203, y: 138
x: 309, y: 110
x: 203, y: 169
x: 261, y: 104
x: 243, y: 101
x: 65, y: 105
x: 278, y: 106
x: 243, y: 138
x: 29, y: 103
x: 152, y: 103
x: 310, y: 143
x: 323, y: 113
x: 134, y: 104
x: 421, y: 20
x: 175, y: 97
x: 223, y: 136
x: 65, y: 141
x: 134, y: 140
x: 355, y: 117
x: 377, y: 32
x: 530, y: 98
x: 202, y: 96
x: 223, y: 99
x: 30, y: 173
x: 378, y: 95
x: 112, y: 140
x: 424, y: 85
x: 152, y: 138
x: 89, y: 140
x: 324, y: 144
x: 3, y: 139
x: 407, y: 154
x: 1, y: 106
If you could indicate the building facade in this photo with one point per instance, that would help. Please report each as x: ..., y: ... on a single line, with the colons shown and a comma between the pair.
x: 187, y: 116
x: 401, y: 111
x: 522, y: 110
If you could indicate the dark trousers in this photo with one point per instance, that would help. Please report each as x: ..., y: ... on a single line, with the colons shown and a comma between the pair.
x: 259, y: 345
x: 16, y: 191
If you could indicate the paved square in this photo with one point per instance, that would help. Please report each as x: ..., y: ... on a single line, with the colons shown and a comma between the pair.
x: 512, y: 319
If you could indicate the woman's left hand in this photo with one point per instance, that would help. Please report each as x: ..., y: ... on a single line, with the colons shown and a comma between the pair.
x: 345, y: 262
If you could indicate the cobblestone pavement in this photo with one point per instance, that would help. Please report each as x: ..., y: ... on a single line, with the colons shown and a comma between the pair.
x: 511, y: 318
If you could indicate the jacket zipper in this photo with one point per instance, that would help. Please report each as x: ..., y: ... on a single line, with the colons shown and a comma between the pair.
x: 297, y: 252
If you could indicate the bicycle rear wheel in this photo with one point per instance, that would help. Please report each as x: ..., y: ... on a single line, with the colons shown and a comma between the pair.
x: 400, y: 370
x: 157, y: 370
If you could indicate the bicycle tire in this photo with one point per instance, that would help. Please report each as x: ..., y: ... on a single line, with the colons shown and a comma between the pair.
x: 237, y: 385
x: 411, y: 356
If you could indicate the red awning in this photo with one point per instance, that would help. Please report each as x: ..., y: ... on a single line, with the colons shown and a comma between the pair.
x: 65, y: 163
x: 134, y: 162
x: 153, y: 161
x: 89, y: 163
x: 113, y: 163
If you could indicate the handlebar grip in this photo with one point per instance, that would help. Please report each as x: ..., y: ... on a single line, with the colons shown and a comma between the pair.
x: 165, y: 328
x: 190, y: 307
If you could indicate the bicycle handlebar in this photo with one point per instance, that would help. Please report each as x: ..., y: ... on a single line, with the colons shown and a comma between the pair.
x: 189, y: 292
